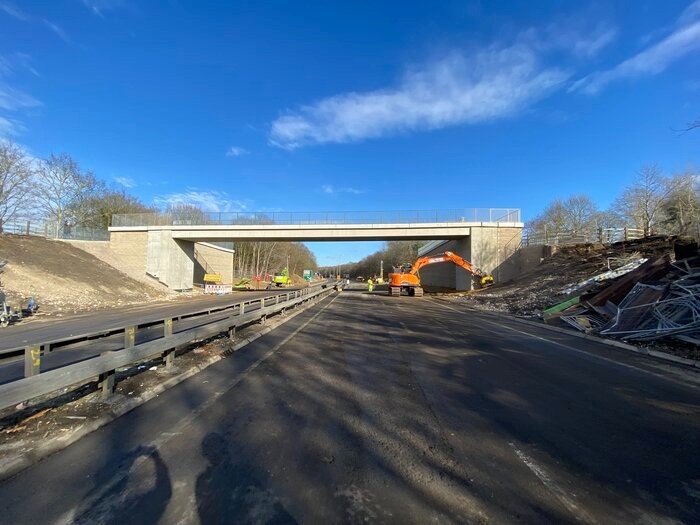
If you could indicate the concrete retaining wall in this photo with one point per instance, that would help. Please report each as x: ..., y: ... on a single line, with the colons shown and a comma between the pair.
x: 212, y: 259
x: 488, y: 248
x: 132, y: 248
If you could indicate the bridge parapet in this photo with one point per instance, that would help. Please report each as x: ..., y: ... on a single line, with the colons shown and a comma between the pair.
x: 195, y: 217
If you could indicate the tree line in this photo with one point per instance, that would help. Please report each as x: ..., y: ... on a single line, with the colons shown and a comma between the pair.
x: 394, y: 253
x: 654, y: 203
x: 58, y: 191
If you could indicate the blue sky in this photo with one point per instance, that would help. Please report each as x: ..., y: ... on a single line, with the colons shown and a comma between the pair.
x: 315, y: 106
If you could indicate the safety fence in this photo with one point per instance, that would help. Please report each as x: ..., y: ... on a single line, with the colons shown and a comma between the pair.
x: 53, y: 230
x: 104, y: 366
x: 562, y: 238
x: 332, y: 217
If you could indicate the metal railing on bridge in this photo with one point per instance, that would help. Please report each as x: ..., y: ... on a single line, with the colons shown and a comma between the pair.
x: 568, y: 237
x: 332, y: 217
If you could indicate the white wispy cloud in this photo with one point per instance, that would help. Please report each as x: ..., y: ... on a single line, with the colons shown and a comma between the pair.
x: 332, y: 190
x: 13, y: 11
x: 12, y: 99
x: 683, y: 39
x: 98, y: 7
x: 57, y: 29
x: 210, y: 201
x: 489, y: 84
x: 127, y: 182
x: 9, y: 128
x: 600, y: 37
x: 236, y: 151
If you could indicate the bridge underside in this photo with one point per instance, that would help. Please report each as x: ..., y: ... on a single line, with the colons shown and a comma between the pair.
x: 169, y: 251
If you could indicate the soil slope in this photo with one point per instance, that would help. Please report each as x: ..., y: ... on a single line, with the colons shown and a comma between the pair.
x: 542, y: 287
x: 63, y: 278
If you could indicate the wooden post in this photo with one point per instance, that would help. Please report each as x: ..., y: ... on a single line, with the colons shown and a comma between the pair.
x: 32, y: 360
x: 129, y: 336
x: 232, y: 333
x: 107, y: 381
x: 169, y: 358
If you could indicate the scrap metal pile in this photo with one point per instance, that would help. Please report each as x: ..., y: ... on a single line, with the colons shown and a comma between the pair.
x: 642, y: 300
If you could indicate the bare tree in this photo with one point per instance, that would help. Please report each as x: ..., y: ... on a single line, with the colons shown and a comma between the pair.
x: 15, y: 180
x: 183, y: 213
x: 642, y: 202
x: 575, y: 214
x: 680, y: 212
x: 62, y: 189
x: 100, y: 208
x: 580, y: 212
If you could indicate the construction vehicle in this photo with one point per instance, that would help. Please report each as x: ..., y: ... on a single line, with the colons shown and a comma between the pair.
x: 9, y: 314
x: 405, y: 278
x: 281, y: 279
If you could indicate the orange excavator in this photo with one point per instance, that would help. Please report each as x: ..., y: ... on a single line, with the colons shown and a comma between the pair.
x: 406, y: 278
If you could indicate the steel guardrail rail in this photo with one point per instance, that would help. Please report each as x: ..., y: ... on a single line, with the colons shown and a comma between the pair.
x: 37, y: 383
x: 116, y: 328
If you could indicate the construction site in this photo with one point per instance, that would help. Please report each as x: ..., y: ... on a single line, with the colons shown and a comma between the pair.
x: 370, y: 262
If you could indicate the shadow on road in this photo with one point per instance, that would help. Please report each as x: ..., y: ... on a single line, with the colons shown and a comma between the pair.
x: 137, y: 492
x: 229, y: 492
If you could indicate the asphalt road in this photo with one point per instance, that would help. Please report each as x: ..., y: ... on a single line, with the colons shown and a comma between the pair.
x: 383, y: 409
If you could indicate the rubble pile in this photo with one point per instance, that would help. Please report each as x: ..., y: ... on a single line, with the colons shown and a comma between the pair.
x: 657, y: 300
x: 554, y: 279
x: 645, y: 291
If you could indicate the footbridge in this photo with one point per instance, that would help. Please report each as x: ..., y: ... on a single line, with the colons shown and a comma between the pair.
x: 166, y: 244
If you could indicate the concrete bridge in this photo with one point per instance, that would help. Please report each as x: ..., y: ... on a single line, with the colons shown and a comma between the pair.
x: 168, y: 245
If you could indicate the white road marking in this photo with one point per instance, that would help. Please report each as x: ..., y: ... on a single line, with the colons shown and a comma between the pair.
x: 547, y: 481
x: 557, y: 343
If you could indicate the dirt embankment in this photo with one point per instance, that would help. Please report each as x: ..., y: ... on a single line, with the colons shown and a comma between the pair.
x: 63, y: 278
x: 544, y: 286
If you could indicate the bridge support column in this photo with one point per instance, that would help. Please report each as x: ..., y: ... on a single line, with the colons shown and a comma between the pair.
x: 463, y: 280
x: 170, y: 260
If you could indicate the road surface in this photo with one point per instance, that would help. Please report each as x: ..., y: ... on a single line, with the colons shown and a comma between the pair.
x: 383, y: 409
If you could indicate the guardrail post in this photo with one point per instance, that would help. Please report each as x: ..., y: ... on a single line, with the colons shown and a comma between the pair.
x: 263, y: 319
x: 232, y: 333
x: 32, y: 360
x: 107, y: 381
x: 129, y: 336
x: 169, y: 354
x: 169, y: 358
x: 241, y: 310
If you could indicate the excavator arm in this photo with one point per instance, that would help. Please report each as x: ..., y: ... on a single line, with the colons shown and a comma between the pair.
x: 445, y: 257
x: 410, y: 281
